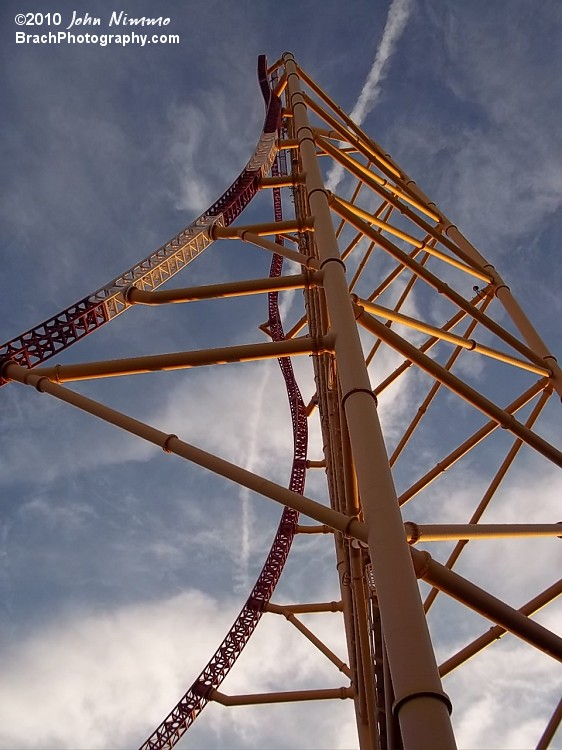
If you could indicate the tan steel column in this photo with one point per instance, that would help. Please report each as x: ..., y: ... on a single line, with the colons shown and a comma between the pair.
x: 421, y: 705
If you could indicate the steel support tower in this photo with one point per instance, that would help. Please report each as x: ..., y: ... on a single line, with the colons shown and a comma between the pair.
x: 393, y: 296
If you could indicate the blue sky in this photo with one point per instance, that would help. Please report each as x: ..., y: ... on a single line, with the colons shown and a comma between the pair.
x: 111, y: 557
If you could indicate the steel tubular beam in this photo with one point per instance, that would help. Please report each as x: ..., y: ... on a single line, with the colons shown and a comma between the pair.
x: 456, y: 385
x: 313, y: 607
x: 288, y: 696
x: 551, y: 727
x: 428, y: 344
x: 492, y: 487
x: 297, y: 328
x: 300, y: 529
x: 439, y: 285
x: 370, y: 148
x: 275, y: 247
x: 289, y: 615
x: 441, y: 532
x: 385, y: 165
x: 486, y: 604
x: 341, y: 226
x: 136, y: 296
x: 368, y: 251
x: 279, y: 181
x: 493, y: 634
x: 421, y: 705
x: 362, y: 634
x: 182, y: 360
x: 371, y: 178
x: 356, y: 139
x: 172, y: 444
x: 471, y: 442
x: 529, y: 333
x: 423, y: 407
x: 451, y: 338
x: 401, y: 300
x: 262, y: 230
x: 512, y: 307
x: 420, y: 244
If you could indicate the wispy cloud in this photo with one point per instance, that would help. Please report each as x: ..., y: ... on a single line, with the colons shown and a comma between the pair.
x: 141, y: 653
x: 396, y: 20
x: 501, y: 711
x: 198, y: 173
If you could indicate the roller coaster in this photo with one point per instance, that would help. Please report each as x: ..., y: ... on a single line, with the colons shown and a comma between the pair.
x: 384, y: 297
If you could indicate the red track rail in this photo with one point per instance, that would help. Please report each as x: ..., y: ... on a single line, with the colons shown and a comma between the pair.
x: 87, y: 315
x: 196, y: 698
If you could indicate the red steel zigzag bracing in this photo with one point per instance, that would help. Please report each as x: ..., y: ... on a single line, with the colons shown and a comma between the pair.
x: 61, y: 331
x: 52, y: 336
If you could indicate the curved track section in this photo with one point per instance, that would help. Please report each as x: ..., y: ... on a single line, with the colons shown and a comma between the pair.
x: 87, y: 315
x: 196, y: 698
x: 61, y: 331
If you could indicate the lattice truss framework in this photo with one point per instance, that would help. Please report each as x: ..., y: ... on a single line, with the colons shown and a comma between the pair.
x: 403, y: 323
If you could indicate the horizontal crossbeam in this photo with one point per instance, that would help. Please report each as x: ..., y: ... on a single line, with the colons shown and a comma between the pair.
x: 443, y: 532
x: 185, y: 360
x: 287, y: 696
x: 136, y: 296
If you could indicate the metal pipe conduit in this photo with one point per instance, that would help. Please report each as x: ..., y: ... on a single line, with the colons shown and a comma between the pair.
x: 422, y: 707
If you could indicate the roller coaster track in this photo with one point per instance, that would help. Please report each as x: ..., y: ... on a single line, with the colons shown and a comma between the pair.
x: 395, y: 681
x: 72, y: 324
x: 88, y: 314
x: 196, y: 698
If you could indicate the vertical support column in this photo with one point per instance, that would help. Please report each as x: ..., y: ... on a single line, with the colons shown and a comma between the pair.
x: 421, y: 706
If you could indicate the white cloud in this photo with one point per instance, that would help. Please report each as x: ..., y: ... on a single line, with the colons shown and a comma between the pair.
x: 491, y: 146
x: 500, y: 706
x: 81, y: 674
x: 190, y: 123
x: 398, y: 14
x: 103, y: 679
x: 196, y: 127
x: 88, y: 679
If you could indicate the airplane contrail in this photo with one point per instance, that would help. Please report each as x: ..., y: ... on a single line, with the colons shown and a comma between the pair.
x: 396, y: 20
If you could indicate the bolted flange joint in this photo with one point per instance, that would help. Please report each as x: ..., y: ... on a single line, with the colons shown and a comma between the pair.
x: 165, y: 447
x: 359, y: 390
x: 413, y: 532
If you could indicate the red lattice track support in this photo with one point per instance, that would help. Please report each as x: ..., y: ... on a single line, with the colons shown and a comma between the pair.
x: 196, y: 698
x: 385, y: 295
x: 47, y: 339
